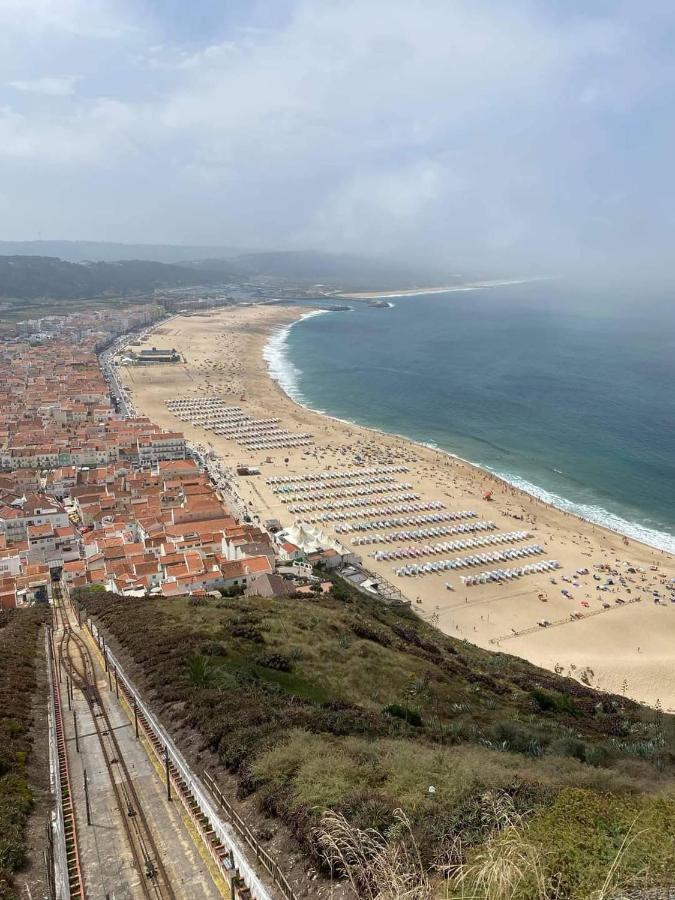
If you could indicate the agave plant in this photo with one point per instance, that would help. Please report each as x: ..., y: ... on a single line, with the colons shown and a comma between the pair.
x: 200, y: 670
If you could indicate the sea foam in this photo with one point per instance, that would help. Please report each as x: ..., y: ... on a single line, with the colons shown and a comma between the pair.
x: 280, y: 367
x: 287, y: 375
x: 598, y: 515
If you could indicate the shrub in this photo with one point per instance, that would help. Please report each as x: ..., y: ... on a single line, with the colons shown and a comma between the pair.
x: 18, y: 635
x: 362, y: 630
x: 549, y: 701
x: 569, y: 746
x: 274, y: 661
x: 515, y: 737
x: 200, y: 670
x: 398, y: 711
x: 236, y: 590
x: 213, y: 648
x: 248, y: 633
x: 598, y: 755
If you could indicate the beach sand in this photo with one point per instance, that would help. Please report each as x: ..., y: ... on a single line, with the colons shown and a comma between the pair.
x: 624, y: 649
x: 444, y: 289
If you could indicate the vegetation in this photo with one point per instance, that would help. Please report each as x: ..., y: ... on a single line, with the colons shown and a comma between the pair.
x: 35, y: 277
x: 338, y: 705
x: 18, y: 646
x: 303, y: 267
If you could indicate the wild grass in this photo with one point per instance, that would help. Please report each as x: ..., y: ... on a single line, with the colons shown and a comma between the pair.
x: 507, y: 865
x: 18, y: 648
x: 378, y: 866
x: 514, y: 863
x: 339, y: 704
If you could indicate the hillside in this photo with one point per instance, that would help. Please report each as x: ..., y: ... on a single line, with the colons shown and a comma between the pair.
x: 32, y: 277
x: 20, y: 632
x: 72, y: 269
x: 339, y: 703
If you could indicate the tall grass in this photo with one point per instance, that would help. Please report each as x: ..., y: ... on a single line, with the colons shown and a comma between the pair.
x: 377, y: 866
x: 511, y: 865
x: 508, y: 865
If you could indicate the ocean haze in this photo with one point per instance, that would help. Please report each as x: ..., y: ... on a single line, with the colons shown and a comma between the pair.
x: 548, y: 384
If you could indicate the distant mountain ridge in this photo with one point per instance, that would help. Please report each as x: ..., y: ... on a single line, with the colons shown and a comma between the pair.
x: 343, y: 270
x: 104, y: 251
x: 31, y: 277
x: 347, y: 271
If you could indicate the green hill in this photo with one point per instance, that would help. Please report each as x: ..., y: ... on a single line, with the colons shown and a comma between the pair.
x: 340, y: 703
x: 34, y: 277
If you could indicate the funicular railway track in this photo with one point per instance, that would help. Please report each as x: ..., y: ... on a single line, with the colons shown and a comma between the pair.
x: 77, y: 661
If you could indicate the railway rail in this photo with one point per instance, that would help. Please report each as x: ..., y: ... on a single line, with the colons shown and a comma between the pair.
x: 72, y: 867
x: 218, y: 838
x: 76, y: 659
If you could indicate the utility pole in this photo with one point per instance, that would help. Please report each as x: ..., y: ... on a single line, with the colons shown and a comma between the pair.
x: 77, y: 737
x: 168, y: 778
x: 86, y: 797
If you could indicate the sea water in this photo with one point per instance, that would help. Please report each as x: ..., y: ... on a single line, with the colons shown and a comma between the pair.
x: 564, y: 391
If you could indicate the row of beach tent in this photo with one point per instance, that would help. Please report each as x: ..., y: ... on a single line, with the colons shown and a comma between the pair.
x: 373, y: 500
x: 402, y: 521
x: 321, y: 484
x: 349, y: 492
x: 463, y: 562
x: 371, y: 511
x: 277, y: 442
x: 548, y: 565
x: 423, y: 533
x: 233, y: 423
x: 418, y: 550
x: 337, y: 475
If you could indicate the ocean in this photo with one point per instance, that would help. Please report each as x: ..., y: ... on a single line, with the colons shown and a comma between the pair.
x: 564, y: 391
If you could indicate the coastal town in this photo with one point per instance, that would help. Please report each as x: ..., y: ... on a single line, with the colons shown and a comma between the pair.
x: 475, y: 556
x: 151, y: 455
x: 337, y: 451
x: 93, y: 496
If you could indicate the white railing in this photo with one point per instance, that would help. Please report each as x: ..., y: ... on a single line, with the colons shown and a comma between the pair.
x: 224, y: 831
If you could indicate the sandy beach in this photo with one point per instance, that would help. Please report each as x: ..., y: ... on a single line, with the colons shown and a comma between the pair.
x: 446, y: 289
x: 625, y: 647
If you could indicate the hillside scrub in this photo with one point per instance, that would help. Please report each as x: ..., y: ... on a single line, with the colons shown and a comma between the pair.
x: 19, y: 631
x: 340, y: 703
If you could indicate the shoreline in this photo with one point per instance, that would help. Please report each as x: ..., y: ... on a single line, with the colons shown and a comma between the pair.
x: 287, y: 382
x: 445, y: 289
x: 626, y: 649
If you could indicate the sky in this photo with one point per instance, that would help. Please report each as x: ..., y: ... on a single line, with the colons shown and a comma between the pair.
x: 531, y: 135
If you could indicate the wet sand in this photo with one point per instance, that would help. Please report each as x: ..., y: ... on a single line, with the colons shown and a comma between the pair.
x: 627, y: 648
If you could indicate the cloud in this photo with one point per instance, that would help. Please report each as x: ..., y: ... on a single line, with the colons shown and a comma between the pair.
x: 510, y: 131
x: 97, y: 134
x: 52, y: 87
x: 83, y: 18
